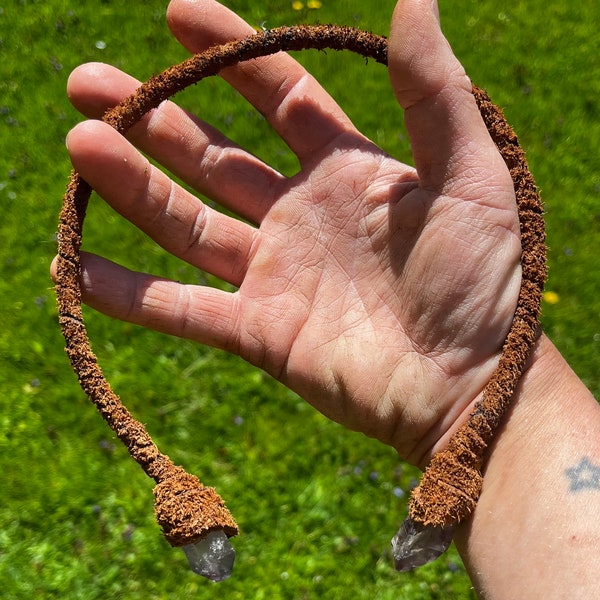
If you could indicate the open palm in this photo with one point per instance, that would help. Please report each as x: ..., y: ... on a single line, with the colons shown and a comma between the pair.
x: 379, y: 292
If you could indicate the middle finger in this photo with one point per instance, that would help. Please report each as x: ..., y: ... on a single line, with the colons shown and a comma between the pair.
x: 189, y: 148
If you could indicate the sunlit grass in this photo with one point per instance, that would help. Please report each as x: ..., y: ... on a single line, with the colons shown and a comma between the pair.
x: 317, y: 504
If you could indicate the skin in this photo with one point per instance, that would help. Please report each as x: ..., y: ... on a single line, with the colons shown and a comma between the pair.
x: 369, y: 293
x: 379, y: 292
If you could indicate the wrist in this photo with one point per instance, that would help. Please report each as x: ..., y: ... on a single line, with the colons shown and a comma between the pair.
x: 552, y: 412
x: 534, y: 522
x: 438, y: 437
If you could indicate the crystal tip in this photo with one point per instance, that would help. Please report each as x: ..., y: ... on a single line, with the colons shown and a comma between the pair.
x: 416, y: 545
x: 212, y: 556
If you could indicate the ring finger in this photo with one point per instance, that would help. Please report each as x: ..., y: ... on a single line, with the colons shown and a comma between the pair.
x: 143, y: 194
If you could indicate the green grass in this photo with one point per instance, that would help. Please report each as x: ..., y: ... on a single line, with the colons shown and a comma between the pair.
x: 315, y: 502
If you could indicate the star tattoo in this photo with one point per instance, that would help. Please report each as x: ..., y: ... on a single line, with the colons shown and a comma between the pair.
x: 586, y: 475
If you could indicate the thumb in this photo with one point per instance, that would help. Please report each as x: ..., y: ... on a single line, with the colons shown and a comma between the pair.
x: 420, y: 58
x: 453, y: 151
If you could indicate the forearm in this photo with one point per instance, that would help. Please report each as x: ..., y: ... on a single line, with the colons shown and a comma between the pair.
x: 536, y: 530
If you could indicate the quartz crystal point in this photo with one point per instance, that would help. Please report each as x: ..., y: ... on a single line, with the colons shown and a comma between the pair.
x: 415, y: 544
x: 212, y: 556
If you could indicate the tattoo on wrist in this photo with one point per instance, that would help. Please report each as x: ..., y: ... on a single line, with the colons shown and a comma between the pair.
x: 584, y: 476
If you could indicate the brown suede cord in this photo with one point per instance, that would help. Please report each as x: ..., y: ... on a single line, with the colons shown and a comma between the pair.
x: 451, y: 484
x: 185, y: 509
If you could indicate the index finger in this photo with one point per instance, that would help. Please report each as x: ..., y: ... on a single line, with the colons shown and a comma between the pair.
x: 293, y: 102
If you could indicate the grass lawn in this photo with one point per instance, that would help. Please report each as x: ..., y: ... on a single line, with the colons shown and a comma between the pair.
x: 317, y: 504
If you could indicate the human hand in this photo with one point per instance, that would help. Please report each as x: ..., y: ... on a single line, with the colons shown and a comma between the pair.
x: 379, y: 293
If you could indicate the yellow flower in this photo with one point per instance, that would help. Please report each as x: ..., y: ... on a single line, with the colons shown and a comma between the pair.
x: 297, y: 5
x: 314, y: 4
x: 551, y: 297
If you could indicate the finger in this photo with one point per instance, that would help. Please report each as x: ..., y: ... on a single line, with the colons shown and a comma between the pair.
x: 189, y: 148
x: 204, y: 314
x: 452, y: 149
x: 174, y: 218
x: 293, y: 102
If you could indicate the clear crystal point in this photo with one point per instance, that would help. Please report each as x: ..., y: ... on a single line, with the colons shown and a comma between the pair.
x: 416, y: 545
x: 212, y: 556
